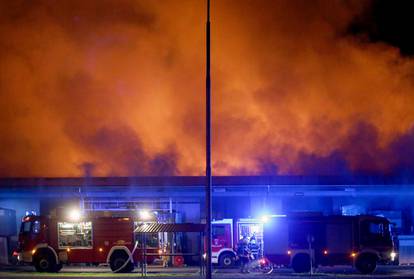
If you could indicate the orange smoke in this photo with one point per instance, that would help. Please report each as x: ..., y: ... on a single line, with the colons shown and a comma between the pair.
x: 120, y: 85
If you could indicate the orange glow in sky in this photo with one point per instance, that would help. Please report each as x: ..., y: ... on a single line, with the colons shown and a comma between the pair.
x: 120, y: 85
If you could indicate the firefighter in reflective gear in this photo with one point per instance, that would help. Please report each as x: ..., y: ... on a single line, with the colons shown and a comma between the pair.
x: 243, y: 253
x: 165, y: 258
x: 254, y: 247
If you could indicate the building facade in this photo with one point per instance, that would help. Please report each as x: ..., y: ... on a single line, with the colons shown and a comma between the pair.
x: 181, y: 199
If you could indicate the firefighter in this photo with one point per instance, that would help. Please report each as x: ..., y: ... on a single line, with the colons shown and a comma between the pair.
x: 165, y: 258
x: 254, y: 247
x: 243, y: 252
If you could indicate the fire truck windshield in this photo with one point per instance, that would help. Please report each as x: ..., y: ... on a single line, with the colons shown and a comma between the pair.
x: 25, y: 228
x: 30, y: 227
x: 374, y: 232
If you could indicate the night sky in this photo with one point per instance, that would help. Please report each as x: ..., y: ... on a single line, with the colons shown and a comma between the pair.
x: 390, y: 22
x: 299, y: 87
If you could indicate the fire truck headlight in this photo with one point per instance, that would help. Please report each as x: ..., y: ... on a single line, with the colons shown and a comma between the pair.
x: 393, y: 255
x: 33, y: 251
x: 75, y: 215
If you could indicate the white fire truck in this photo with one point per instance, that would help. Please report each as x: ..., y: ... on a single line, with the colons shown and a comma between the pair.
x: 226, y: 233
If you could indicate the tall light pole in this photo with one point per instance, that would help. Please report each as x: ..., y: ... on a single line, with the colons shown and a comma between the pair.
x: 208, y: 145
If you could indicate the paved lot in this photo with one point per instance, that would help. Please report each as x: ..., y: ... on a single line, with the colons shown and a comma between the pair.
x: 178, y: 273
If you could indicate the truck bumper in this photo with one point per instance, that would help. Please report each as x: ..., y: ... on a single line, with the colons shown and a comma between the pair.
x: 25, y: 257
x: 388, y: 257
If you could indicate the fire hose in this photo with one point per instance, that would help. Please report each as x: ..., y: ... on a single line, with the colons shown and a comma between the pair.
x: 130, y: 259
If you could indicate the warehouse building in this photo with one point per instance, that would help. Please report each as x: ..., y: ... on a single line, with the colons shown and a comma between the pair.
x: 182, y: 198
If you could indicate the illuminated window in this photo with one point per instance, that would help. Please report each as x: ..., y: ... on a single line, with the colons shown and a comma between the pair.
x: 75, y: 235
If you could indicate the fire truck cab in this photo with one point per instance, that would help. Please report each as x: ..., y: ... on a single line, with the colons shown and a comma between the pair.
x: 226, y: 234
x: 47, y: 243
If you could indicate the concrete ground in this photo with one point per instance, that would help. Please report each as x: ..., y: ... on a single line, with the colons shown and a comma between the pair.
x: 193, y: 272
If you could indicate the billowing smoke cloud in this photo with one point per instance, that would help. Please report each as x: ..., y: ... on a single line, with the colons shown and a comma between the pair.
x: 120, y: 85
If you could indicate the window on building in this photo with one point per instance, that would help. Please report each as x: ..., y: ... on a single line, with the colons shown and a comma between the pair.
x: 75, y: 235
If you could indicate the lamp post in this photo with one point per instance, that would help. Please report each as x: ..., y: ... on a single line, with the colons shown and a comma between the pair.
x: 208, y: 146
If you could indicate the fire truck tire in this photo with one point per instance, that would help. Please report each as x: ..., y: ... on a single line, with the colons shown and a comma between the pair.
x: 227, y: 260
x: 301, y: 263
x: 44, y: 261
x: 118, y: 259
x: 366, y: 263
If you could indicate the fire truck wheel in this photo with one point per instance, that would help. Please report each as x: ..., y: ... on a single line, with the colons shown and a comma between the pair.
x: 44, y: 262
x: 227, y: 260
x: 118, y: 260
x: 301, y: 263
x: 366, y: 263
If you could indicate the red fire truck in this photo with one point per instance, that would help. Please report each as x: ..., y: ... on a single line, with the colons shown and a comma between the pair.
x: 47, y: 243
x: 303, y: 242
x: 226, y: 233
